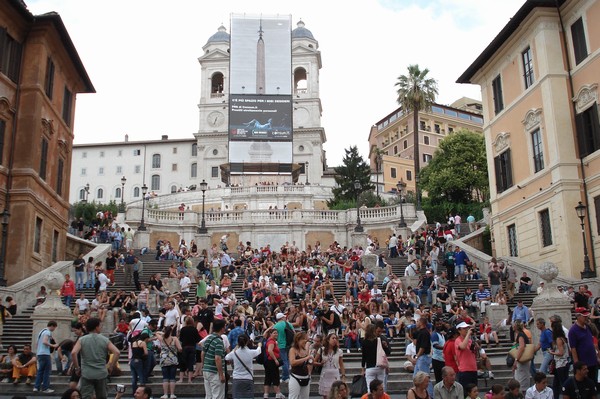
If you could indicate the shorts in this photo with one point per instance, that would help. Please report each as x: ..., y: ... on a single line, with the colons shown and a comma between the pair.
x: 169, y: 373
x: 188, y: 358
x: 271, y: 374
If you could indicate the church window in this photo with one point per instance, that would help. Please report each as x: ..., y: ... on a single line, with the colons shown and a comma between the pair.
x: 300, y: 82
x: 156, y: 161
x: 155, y: 183
x: 217, y: 81
x: 194, y: 150
x: 100, y: 193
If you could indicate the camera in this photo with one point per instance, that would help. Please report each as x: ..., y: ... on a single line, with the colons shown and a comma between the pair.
x: 120, y: 388
x: 318, y: 313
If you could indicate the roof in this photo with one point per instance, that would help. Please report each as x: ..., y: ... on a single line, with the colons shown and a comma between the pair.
x: 133, y: 143
x: 301, y: 32
x: 220, y: 37
x: 506, y: 32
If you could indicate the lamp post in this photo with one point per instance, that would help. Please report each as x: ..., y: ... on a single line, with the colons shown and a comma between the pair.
x: 401, y: 186
x: 123, y: 181
x: 87, y: 192
x: 5, y: 218
x: 306, y: 172
x: 587, y: 272
x: 144, y: 191
x: 202, y: 229
x: 359, y: 228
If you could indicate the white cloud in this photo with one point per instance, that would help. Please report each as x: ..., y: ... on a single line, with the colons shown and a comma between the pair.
x: 142, y: 58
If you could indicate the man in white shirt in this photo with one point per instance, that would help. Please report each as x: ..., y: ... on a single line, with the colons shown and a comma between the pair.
x: 83, y: 304
x: 393, y: 246
x: 411, y: 270
x: 104, y: 280
x: 376, y: 294
x: 411, y: 353
x: 184, y: 285
x: 337, y: 307
x: 171, y: 315
x: 457, y: 222
x: 540, y: 389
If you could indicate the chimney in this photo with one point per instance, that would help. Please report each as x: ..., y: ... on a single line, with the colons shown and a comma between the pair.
x: 126, y: 138
x: 165, y: 137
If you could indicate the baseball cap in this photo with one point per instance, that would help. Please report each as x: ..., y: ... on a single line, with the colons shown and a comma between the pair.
x: 463, y: 325
x: 280, y: 316
x: 582, y: 312
x: 245, y: 302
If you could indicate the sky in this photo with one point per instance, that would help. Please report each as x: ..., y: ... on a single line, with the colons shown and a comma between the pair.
x: 142, y: 57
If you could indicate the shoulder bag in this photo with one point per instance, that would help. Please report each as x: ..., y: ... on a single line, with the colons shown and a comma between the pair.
x: 382, y: 360
x: 243, y: 364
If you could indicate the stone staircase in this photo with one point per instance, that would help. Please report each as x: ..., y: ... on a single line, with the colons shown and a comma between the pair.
x: 18, y: 331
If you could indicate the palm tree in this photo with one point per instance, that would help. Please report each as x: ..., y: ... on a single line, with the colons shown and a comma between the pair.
x: 416, y: 92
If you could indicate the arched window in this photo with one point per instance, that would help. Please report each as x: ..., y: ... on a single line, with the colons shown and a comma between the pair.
x: 300, y: 83
x: 81, y: 194
x: 100, y: 194
x: 194, y: 170
x: 194, y: 150
x: 217, y: 81
x: 136, y: 192
x: 155, y: 183
x: 118, y: 192
x: 156, y: 161
x: 173, y: 189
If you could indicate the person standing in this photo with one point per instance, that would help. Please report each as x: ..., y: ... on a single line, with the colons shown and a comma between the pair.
x: 471, y: 221
x: 94, y: 348
x: 582, y: 343
x: 79, y: 265
x: 129, y: 239
x: 129, y: 261
x: 520, y: 369
x: 212, y: 359
x: 457, y: 222
x: 68, y: 290
x: 437, y: 358
x: 465, y: 355
x: 111, y: 266
x: 449, y: 263
x: 280, y: 326
x: 494, y: 278
x: 423, y: 347
x: 138, y: 270
x: 44, y: 361
x: 460, y: 261
x: 545, y: 344
x: 393, y: 246
x: 243, y: 372
x: 511, y: 280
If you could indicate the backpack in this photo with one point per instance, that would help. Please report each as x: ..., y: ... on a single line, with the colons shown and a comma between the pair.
x: 289, y: 335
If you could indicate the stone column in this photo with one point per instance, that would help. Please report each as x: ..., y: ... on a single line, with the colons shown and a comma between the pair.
x: 359, y: 238
x: 496, y: 313
x: 203, y: 241
x: 550, y: 301
x: 141, y: 239
x: 52, y: 309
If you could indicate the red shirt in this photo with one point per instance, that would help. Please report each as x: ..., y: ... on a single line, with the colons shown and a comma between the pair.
x: 68, y: 288
x: 465, y: 358
x: 273, y: 342
x: 364, y: 296
x: 449, y: 352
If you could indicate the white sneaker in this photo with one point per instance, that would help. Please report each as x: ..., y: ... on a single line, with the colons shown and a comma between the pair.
x: 173, y: 396
x: 491, y: 375
x: 347, y: 350
x: 164, y: 397
x: 35, y: 389
x: 48, y: 390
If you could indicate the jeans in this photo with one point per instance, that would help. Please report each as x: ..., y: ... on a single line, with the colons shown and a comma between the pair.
x: 545, y: 362
x: 68, y: 299
x: 137, y: 373
x: 79, y: 280
x: 372, y: 373
x: 349, y: 343
x: 459, y: 270
x: 44, y: 367
x: 425, y: 291
x: 149, y: 364
x: 285, y: 364
x: 560, y: 376
x: 424, y: 364
x: 91, y: 279
x: 434, y: 266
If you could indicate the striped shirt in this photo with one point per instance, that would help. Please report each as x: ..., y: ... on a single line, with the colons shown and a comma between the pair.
x: 213, y: 346
x: 483, y: 295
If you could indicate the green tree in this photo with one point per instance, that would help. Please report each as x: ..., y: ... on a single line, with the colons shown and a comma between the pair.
x: 457, y: 173
x: 416, y: 92
x: 353, y: 168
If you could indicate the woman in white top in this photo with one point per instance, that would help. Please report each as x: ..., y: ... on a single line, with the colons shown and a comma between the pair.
x: 331, y: 359
x: 243, y: 372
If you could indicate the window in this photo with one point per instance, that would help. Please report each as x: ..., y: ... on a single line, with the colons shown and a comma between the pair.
x: 405, y: 145
x: 214, y: 171
x: 118, y: 192
x: 497, y: 89
x: 597, y: 208
x: 10, y: 55
x: 67, y: 106
x: 100, y: 170
x: 427, y: 157
x: 155, y: 183
x: 2, y: 134
x: 538, y: 150
x: 100, y: 193
x: 55, y: 238
x: 395, y: 150
x: 426, y: 140
x: 137, y: 152
x: 136, y: 192
x: 174, y: 150
x: 503, y: 168
x: 37, y: 238
x: 450, y: 129
x: 120, y: 153
x: 81, y: 194
x: 174, y: 167
x: 409, y: 175
x: 83, y: 171
x: 49, y: 79
x: 194, y: 170
x: 546, y: 228
x: 422, y: 125
x: 137, y: 169
x: 59, y: 176
x: 156, y: 161
x: 194, y: 150
x: 513, y: 249
x: 579, y: 45
x: 393, y: 173
x: 119, y: 170
x: 437, y: 128
x: 43, y: 158
x: 588, y: 131
x: 173, y: 189
x: 527, y: 67
x: 84, y: 154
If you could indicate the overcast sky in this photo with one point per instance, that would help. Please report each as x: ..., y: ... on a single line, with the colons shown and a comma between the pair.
x: 141, y: 56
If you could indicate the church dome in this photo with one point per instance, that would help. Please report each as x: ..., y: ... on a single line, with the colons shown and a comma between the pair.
x: 301, y: 32
x: 220, y: 36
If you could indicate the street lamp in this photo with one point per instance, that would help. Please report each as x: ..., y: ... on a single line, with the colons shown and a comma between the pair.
x: 359, y: 228
x: 5, y: 218
x: 87, y: 192
x: 123, y: 181
x: 144, y: 191
x: 401, y: 186
x: 203, y: 187
x: 306, y: 172
x: 587, y: 272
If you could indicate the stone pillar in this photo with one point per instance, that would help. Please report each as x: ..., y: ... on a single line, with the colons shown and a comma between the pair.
x: 108, y: 324
x: 496, y: 313
x: 412, y: 281
x: 369, y: 261
x: 550, y: 301
x: 203, y: 240
x: 141, y: 239
x: 52, y: 309
x: 359, y: 238
x: 171, y: 284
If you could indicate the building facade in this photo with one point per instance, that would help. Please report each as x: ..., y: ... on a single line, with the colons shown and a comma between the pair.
x: 40, y: 77
x: 539, y: 84
x: 392, y: 138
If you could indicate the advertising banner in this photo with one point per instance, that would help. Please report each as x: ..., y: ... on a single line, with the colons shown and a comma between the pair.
x: 264, y: 117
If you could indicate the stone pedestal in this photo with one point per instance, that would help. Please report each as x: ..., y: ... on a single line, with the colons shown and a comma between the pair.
x: 52, y: 309
x: 411, y: 281
x: 153, y: 305
x: 496, y: 313
x: 171, y: 284
x: 369, y: 261
x: 550, y: 301
x: 359, y: 239
x: 108, y: 324
x: 203, y: 241
x: 141, y: 239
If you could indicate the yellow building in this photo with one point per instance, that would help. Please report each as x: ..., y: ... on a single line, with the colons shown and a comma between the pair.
x: 539, y: 84
x: 392, y: 138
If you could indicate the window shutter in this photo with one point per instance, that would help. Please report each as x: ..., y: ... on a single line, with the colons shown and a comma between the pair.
x: 509, y: 180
